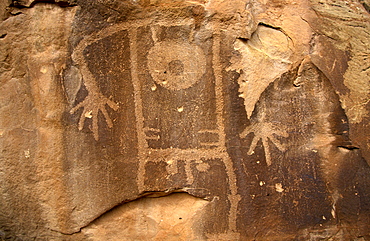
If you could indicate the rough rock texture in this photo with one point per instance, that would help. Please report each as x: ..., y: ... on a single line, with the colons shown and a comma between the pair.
x: 169, y: 218
x: 184, y: 120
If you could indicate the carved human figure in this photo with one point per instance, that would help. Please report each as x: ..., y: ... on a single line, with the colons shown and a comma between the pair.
x: 178, y: 106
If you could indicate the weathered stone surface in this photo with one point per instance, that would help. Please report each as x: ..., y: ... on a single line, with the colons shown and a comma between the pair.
x: 167, y: 218
x: 256, y: 113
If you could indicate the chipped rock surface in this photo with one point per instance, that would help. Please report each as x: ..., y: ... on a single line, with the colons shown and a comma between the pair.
x: 184, y: 120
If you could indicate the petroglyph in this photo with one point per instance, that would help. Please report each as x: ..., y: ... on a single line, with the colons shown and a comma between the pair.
x: 179, y: 65
x: 94, y: 103
x: 176, y: 65
x: 265, y: 132
x: 185, y: 129
x: 118, y: 100
x: 270, y: 48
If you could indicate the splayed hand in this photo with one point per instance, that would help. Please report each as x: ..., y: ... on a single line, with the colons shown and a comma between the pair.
x: 91, y: 105
x: 264, y: 131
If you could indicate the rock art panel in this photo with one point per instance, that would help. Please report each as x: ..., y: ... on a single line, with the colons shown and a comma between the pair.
x: 244, y: 109
x: 179, y: 133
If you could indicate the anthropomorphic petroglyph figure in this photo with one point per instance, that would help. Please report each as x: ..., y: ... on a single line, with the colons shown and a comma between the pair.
x: 177, y: 88
x: 175, y: 125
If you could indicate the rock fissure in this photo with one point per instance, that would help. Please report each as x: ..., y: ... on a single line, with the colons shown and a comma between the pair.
x: 32, y: 3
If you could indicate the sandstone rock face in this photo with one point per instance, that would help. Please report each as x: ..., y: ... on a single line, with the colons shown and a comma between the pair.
x: 184, y: 120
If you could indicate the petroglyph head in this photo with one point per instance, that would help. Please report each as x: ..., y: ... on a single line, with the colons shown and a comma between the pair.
x: 176, y: 65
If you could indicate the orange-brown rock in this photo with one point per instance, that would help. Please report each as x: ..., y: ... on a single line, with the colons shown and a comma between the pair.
x: 184, y: 120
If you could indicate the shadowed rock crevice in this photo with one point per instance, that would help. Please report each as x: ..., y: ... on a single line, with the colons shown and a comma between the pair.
x: 31, y: 3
